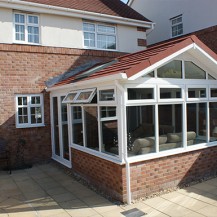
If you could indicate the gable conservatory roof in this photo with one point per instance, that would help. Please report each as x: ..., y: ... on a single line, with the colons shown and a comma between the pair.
x: 133, y: 66
x: 109, y: 7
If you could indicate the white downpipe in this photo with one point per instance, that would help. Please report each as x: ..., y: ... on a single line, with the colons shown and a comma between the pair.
x: 124, y: 147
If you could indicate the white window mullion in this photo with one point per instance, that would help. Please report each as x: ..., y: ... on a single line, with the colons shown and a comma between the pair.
x: 84, y: 126
x: 29, y: 109
x: 99, y: 129
x: 207, y: 122
x: 156, y: 129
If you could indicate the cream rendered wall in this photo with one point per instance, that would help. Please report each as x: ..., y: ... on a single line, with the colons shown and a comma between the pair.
x: 59, y: 31
x: 127, y: 38
x: 6, y: 26
x: 197, y: 14
x: 63, y: 31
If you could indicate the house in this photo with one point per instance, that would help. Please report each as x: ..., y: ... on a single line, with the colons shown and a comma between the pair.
x: 40, y: 41
x: 176, y: 18
x: 143, y: 122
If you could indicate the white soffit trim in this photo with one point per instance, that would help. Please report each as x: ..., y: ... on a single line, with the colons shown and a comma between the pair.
x: 80, y: 84
x: 130, y: 2
x: 205, y: 53
x: 161, y: 62
x: 49, y: 9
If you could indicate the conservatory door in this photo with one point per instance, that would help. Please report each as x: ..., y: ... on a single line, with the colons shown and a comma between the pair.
x: 60, y: 140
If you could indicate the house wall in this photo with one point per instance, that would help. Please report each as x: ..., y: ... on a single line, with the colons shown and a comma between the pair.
x: 196, y: 15
x: 23, y: 70
x: 63, y: 31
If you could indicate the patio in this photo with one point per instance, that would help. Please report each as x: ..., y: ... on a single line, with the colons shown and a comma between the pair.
x: 46, y: 190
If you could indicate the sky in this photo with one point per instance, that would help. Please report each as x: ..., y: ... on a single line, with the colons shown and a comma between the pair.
x: 125, y: 1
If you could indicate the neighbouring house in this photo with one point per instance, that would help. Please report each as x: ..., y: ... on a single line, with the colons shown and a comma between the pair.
x: 143, y: 122
x: 175, y: 18
x: 41, y: 40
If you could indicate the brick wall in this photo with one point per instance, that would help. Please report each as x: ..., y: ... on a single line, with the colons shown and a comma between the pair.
x: 155, y: 175
x: 104, y: 175
x: 23, y: 70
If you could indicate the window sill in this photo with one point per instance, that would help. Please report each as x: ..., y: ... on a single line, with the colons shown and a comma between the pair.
x: 27, y: 43
x: 94, y: 48
x: 30, y: 126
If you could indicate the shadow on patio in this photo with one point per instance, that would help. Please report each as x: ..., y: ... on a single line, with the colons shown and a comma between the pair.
x: 46, y: 190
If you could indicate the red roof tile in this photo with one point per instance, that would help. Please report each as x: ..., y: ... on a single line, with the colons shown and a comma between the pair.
x: 131, y: 64
x: 109, y: 7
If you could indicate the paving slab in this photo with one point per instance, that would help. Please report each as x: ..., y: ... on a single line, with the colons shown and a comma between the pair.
x: 47, y: 191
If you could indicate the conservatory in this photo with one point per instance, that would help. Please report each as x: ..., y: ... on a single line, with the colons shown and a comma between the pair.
x: 158, y: 104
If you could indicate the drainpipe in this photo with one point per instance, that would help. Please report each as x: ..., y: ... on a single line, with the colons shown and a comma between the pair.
x: 124, y: 147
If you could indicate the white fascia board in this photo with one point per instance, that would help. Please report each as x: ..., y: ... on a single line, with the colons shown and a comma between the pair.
x: 48, y: 9
x: 80, y: 84
x: 130, y: 2
x: 205, y: 53
x: 161, y: 62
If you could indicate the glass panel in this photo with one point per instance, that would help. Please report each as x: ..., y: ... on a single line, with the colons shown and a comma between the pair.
x: 65, y: 137
x: 110, y: 137
x: 33, y: 19
x: 77, y: 127
x: 89, y: 27
x: 91, y: 128
x: 19, y: 18
x: 89, y: 39
x: 213, y: 121
x: 107, y: 112
x: 106, y: 29
x: 36, y: 115
x: 196, y: 92
x: 140, y: 93
x: 213, y: 92
x: 20, y: 32
x: 170, y: 93
x: 84, y: 95
x: 70, y: 97
x: 170, y: 127
x: 107, y: 95
x: 35, y: 100
x: 56, y: 127
x: 33, y: 34
x: 171, y: 70
x: 192, y: 71
x: 140, y: 130
x: 106, y: 42
x: 210, y: 77
x: 196, y: 123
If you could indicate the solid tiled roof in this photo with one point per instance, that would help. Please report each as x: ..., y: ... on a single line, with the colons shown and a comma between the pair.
x: 131, y: 64
x: 109, y: 7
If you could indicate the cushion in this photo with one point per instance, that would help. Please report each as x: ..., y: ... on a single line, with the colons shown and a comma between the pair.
x: 174, y: 137
x: 141, y: 143
x: 162, y: 139
x: 191, y: 135
x: 145, y: 150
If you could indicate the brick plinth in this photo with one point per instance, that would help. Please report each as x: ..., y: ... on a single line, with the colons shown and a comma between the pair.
x: 104, y: 175
x: 155, y: 175
x: 24, y: 70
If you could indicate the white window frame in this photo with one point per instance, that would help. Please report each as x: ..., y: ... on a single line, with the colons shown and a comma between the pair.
x: 97, y: 32
x: 176, y: 24
x: 107, y: 102
x: 78, y: 92
x: 29, y: 106
x: 26, y: 25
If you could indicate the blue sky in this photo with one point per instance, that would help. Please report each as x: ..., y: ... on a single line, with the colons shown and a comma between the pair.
x: 125, y: 1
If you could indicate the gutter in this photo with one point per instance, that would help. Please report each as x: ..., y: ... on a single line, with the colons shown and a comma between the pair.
x: 124, y: 147
x: 120, y: 76
x: 49, y: 9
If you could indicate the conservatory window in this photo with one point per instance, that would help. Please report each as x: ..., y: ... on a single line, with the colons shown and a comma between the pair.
x: 170, y: 93
x: 171, y: 70
x: 196, y: 123
x: 107, y: 95
x: 140, y: 93
x: 193, y: 71
x: 196, y: 92
x: 109, y: 130
x: 80, y: 96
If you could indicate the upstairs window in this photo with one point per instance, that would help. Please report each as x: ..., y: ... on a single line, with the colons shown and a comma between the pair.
x: 177, y: 26
x: 26, y: 28
x: 29, y: 111
x: 99, y: 36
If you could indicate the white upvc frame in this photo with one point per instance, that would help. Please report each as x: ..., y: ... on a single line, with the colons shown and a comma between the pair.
x: 60, y: 157
x: 96, y: 32
x: 107, y: 102
x: 176, y: 24
x: 26, y: 24
x: 78, y: 92
x: 29, y: 106
x: 196, y: 99
x: 209, y: 92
